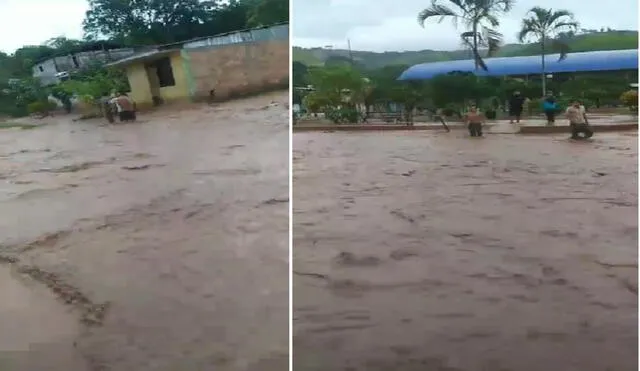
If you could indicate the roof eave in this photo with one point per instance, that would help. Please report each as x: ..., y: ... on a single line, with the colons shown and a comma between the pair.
x: 142, y: 57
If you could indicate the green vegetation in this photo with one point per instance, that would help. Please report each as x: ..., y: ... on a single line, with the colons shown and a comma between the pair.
x: 607, y: 40
x: 630, y: 99
x: 351, y: 86
x: 41, y: 107
x: 348, y: 95
x: 18, y: 125
x: 145, y: 22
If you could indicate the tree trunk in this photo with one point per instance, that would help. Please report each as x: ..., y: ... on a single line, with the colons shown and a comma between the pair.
x: 475, y: 46
x: 544, y: 74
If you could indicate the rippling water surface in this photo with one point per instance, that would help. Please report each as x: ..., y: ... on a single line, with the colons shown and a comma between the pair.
x: 418, y: 251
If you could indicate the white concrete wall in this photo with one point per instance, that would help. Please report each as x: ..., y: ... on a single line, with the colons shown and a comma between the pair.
x: 65, y: 63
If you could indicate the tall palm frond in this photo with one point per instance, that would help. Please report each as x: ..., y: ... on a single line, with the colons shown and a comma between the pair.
x: 437, y: 11
x: 493, y: 40
x: 481, y: 18
x: 547, y: 25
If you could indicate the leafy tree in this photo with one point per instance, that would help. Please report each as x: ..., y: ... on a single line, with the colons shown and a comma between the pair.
x: 160, y: 21
x: 63, y: 45
x: 315, y: 102
x: 481, y: 17
x: 341, y: 60
x: 299, y: 73
x: 459, y: 89
x: 411, y: 95
x: 340, y: 85
x: 383, y: 86
x: 338, y: 91
x: 27, y: 91
x: 24, y: 58
x: 268, y: 12
x: 63, y: 95
x: 545, y: 25
x: 91, y: 87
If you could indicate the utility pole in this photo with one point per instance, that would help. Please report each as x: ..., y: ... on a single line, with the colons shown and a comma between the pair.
x: 350, y: 53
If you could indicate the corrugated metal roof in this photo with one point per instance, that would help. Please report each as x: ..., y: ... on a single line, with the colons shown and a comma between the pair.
x: 273, y: 32
x: 610, y: 60
x: 277, y: 32
x: 150, y: 55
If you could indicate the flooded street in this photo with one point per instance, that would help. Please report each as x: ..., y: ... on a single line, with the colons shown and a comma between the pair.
x: 167, y: 239
x: 37, y: 332
x: 426, y: 251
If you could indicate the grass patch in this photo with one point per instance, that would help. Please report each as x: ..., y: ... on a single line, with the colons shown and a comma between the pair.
x: 19, y: 125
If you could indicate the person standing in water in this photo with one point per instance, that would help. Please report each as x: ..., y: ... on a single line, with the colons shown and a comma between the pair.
x: 549, y: 106
x: 125, y: 107
x: 474, y: 120
x: 516, y: 105
x: 578, y: 121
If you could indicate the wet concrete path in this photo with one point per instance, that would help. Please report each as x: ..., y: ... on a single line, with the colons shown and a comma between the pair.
x: 426, y: 251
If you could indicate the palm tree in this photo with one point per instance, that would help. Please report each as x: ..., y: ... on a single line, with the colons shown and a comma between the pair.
x: 548, y: 25
x: 479, y: 16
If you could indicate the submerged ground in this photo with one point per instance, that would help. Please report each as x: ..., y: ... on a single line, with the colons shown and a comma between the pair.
x: 424, y: 251
x: 167, y: 239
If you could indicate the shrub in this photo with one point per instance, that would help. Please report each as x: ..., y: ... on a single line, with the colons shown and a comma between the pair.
x: 451, y: 110
x: 343, y: 115
x: 314, y: 102
x: 41, y: 107
x: 64, y: 96
x: 491, y: 114
x: 630, y: 99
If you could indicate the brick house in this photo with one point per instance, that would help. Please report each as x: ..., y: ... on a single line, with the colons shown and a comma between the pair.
x: 232, y: 64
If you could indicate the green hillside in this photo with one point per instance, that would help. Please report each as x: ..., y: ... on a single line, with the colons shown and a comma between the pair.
x: 609, y: 40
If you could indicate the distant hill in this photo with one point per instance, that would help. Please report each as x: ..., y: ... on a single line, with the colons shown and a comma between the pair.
x: 608, y: 40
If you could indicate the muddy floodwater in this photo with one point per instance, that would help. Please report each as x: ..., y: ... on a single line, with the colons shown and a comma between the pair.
x: 165, y: 241
x: 426, y: 251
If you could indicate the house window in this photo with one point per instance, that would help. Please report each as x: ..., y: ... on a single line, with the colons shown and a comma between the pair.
x: 165, y: 72
x: 41, y: 69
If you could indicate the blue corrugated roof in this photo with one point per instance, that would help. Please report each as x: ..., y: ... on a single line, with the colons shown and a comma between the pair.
x: 610, y: 60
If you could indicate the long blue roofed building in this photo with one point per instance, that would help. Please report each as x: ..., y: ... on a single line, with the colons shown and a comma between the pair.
x: 597, y: 61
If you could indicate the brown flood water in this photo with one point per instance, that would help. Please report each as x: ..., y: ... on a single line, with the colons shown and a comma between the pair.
x: 168, y: 238
x: 37, y: 332
x: 424, y: 251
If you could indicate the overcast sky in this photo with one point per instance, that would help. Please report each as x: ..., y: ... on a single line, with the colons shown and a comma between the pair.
x: 32, y: 22
x: 390, y: 25
x: 376, y: 25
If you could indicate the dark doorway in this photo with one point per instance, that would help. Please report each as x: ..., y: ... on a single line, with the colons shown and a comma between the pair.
x: 165, y: 72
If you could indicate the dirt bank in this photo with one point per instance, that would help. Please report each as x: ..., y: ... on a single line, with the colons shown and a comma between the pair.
x: 168, y: 237
x: 417, y: 251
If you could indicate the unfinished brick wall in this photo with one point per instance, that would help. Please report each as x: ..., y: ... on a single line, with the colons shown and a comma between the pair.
x: 237, y: 70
